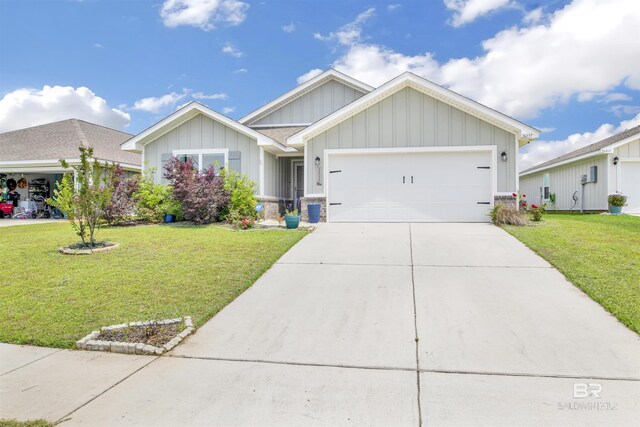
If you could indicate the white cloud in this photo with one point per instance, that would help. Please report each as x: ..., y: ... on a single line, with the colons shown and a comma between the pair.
x: 204, y: 14
x: 615, y: 96
x: 98, y: 45
x: 466, y: 11
x: 541, y: 151
x: 200, y: 95
x: 624, y: 110
x: 154, y: 104
x: 231, y: 50
x: 31, y: 107
x: 228, y: 110
x: 587, y: 46
x: 534, y: 16
x: 309, y: 75
x: 289, y: 28
x: 348, y: 33
x: 393, y: 7
x: 240, y: 71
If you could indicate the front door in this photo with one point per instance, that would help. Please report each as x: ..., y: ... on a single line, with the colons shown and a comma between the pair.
x: 298, y: 183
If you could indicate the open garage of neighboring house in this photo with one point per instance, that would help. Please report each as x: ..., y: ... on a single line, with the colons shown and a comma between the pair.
x: 30, y: 162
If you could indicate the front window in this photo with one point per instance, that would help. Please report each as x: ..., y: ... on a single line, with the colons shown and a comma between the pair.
x: 545, y: 186
x: 202, y: 159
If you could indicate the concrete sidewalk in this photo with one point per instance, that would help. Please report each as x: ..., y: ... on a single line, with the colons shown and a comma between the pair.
x: 366, y: 324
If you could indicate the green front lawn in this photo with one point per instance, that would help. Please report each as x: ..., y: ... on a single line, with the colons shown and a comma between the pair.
x: 158, y: 272
x: 598, y: 253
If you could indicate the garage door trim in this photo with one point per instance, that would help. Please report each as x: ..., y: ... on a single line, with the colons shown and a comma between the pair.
x: 328, y: 153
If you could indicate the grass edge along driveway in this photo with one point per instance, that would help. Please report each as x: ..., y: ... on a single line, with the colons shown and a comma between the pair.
x: 600, y: 254
x: 158, y: 272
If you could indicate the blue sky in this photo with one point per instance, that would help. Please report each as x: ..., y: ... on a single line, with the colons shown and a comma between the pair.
x: 568, y: 67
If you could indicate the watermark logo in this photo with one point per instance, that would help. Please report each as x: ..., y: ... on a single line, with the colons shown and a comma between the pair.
x: 585, y: 390
x: 587, y: 397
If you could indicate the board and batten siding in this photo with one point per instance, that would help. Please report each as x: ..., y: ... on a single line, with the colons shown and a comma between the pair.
x: 312, y: 106
x: 626, y: 151
x: 565, y: 180
x: 277, y: 173
x: 409, y: 118
x: 202, y: 132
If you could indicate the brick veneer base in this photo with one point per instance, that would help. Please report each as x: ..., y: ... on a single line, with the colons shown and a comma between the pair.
x: 273, y: 207
x: 505, y: 200
x: 314, y: 200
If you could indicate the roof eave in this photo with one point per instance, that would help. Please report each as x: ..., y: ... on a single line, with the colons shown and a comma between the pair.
x: 186, y: 113
x: 524, y: 132
x: 295, y: 92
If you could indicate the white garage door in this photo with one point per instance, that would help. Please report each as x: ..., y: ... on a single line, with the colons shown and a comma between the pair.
x: 630, y: 185
x: 404, y: 187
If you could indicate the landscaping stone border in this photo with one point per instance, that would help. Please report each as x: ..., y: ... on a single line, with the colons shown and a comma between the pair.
x: 91, y: 343
x: 68, y: 251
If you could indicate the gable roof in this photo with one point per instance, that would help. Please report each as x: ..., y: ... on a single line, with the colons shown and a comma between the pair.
x: 61, y: 140
x: 599, y: 147
x: 280, y: 134
x: 525, y: 132
x: 302, y: 89
x: 188, y: 112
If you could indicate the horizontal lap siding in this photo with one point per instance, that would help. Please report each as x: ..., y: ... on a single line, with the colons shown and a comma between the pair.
x: 201, y: 132
x: 409, y: 118
x: 312, y: 106
x: 565, y: 180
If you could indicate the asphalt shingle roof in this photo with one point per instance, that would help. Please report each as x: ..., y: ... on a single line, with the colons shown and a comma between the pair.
x: 596, y: 146
x: 280, y: 134
x: 61, y: 140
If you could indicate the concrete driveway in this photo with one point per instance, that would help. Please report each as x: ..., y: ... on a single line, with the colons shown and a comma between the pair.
x: 393, y: 324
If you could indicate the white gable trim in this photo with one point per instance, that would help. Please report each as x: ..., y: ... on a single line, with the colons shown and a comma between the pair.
x: 610, y: 148
x: 305, y: 87
x: 525, y: 133
x: 188, y: 112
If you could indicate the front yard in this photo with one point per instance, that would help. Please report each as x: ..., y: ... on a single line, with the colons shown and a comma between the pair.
x: 158, y: 272
x: 598, y: 253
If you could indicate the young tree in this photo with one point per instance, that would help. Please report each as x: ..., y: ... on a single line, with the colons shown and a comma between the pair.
x: 81, y: 197
x: 201, y: 194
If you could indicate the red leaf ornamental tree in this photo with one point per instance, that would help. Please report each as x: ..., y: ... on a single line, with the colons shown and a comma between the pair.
x: 123, y: 203
x: 201, y: 193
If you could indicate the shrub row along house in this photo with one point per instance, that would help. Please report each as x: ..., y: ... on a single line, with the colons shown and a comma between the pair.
x: 582, y: 179
x: 409, y: 150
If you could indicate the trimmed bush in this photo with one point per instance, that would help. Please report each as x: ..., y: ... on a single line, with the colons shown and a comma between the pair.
x: 150, y: 199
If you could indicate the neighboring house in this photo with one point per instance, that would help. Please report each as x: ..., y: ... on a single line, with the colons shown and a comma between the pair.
x: 409, y: 150
x: 582, y: 179
x: 34, y: 153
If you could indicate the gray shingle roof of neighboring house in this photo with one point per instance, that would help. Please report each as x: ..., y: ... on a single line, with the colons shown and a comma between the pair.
x: 596, y: 146
x: 61, y: 140
x: 280, y: 134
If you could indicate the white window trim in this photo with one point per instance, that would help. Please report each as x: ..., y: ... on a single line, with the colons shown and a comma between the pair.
x: 202, y: 151
x: 546, y: 186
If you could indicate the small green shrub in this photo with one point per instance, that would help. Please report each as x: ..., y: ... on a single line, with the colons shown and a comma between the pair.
x: 242, y: 199
x: 537, y: 212
x: 151, y: 199
x: 617, y: 199
x: 507, y: 215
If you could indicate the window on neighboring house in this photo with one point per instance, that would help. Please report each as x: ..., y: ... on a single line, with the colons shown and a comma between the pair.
x: 545, y: 186
x: 202, y: 159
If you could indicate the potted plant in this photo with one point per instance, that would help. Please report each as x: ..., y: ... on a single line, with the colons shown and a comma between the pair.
x: 616, y: 202
x: 292, y: 219
x: 172, y: 210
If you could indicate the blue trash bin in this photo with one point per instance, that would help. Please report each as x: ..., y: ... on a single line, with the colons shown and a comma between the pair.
x: 314, y: 213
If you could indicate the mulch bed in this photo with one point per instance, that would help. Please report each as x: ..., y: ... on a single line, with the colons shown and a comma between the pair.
x: 153, y: 334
